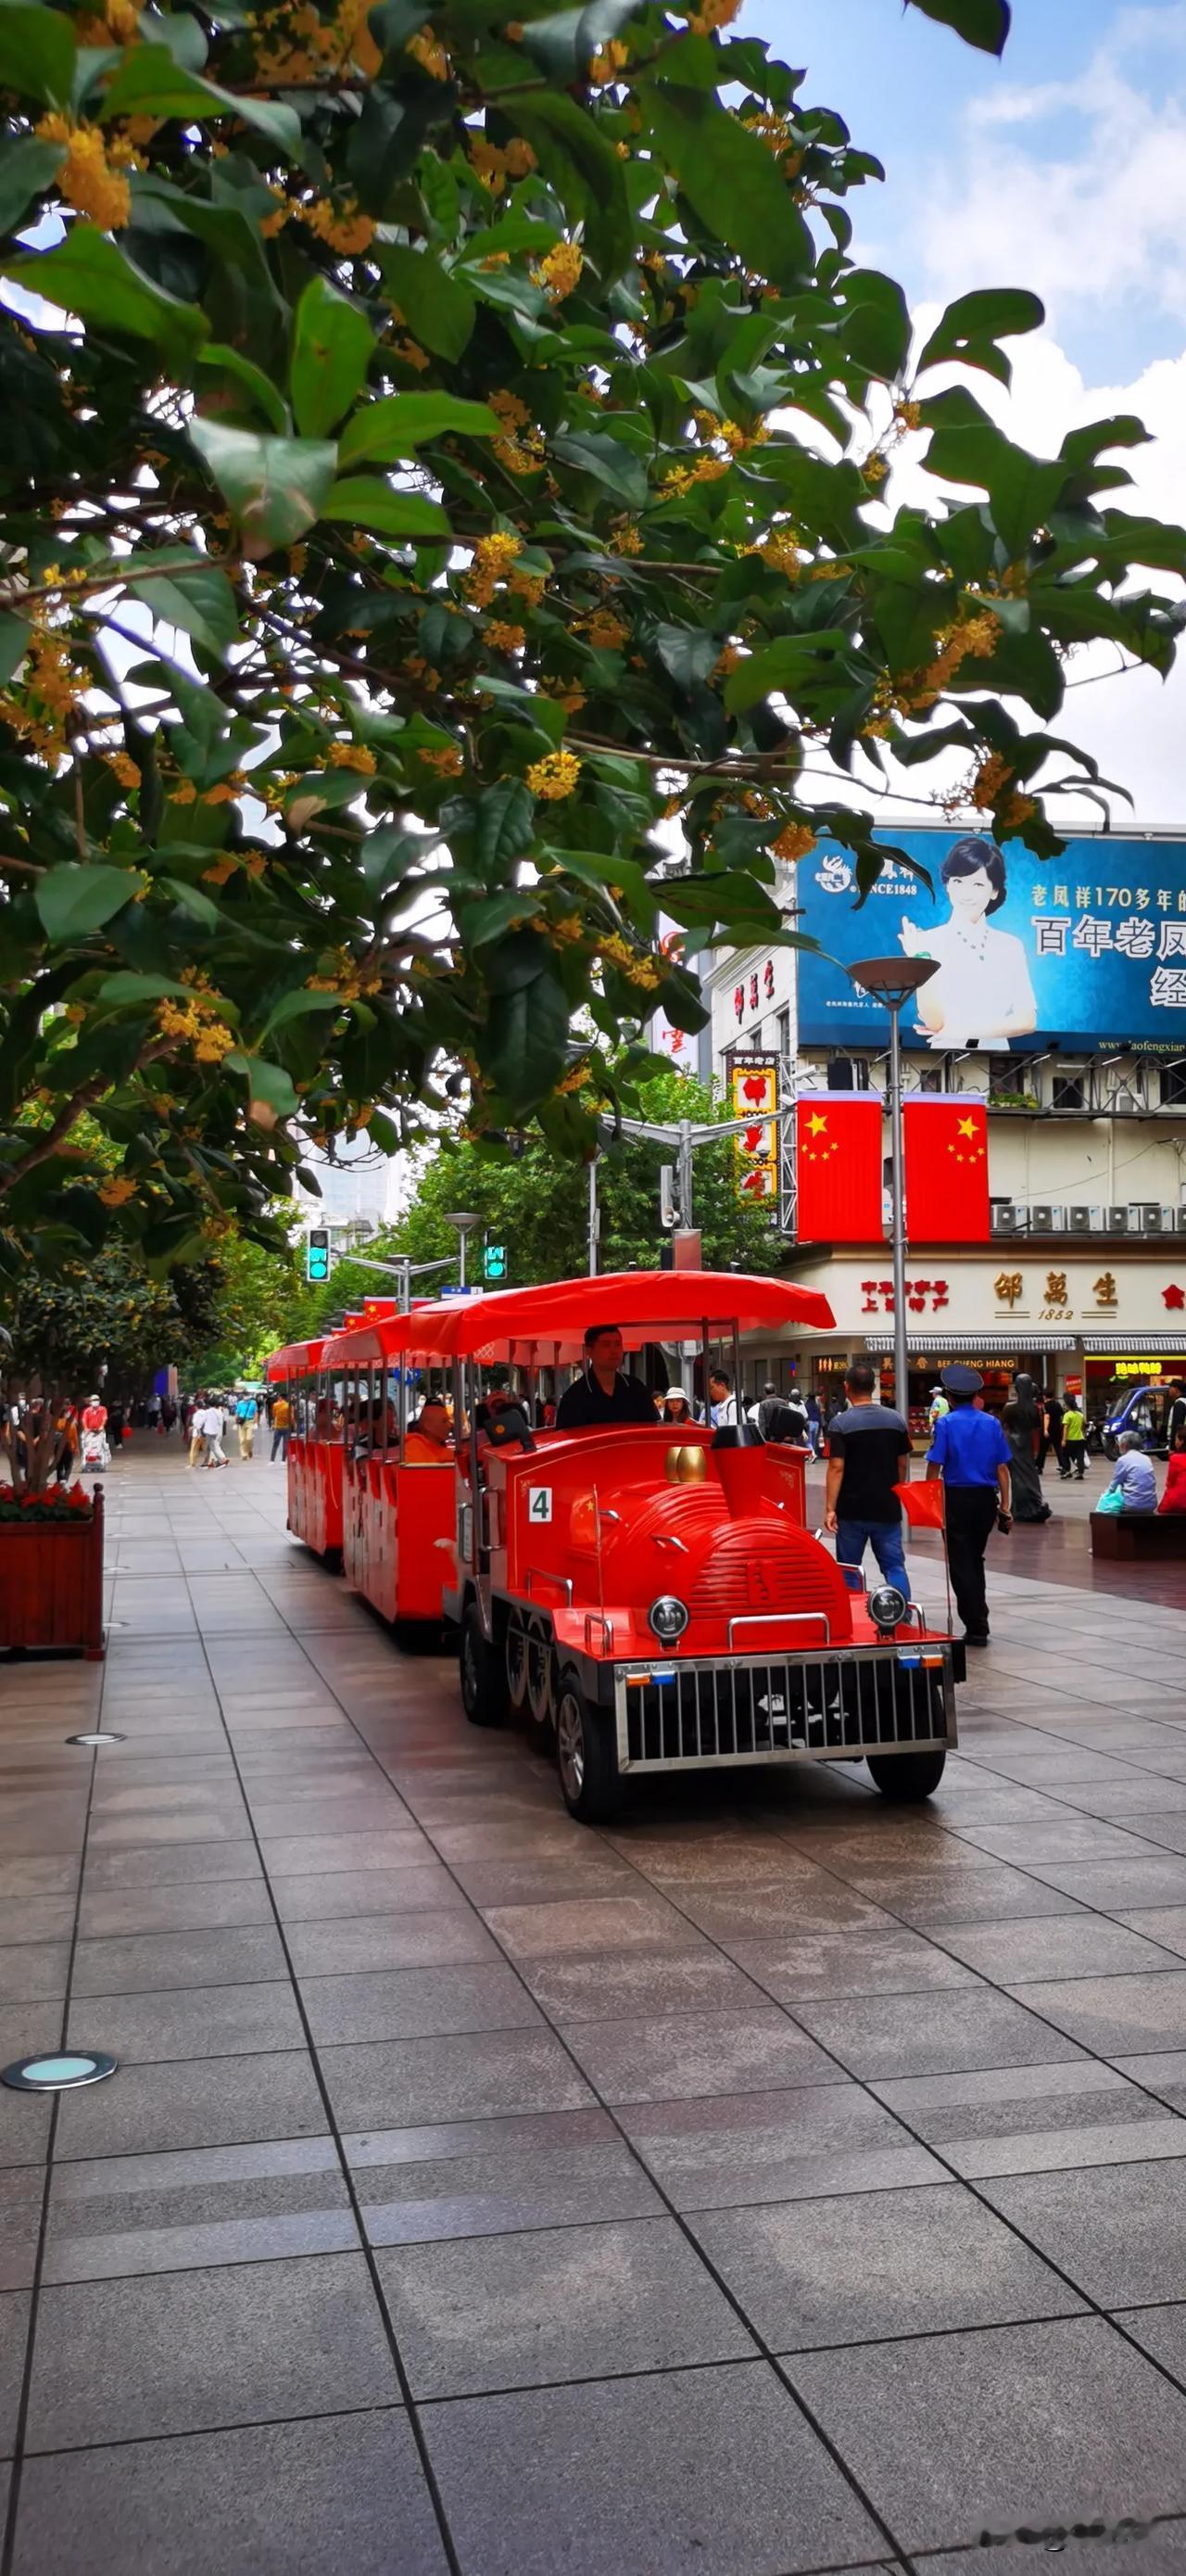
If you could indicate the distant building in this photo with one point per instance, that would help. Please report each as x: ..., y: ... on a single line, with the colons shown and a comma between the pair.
x: 361, y: 1189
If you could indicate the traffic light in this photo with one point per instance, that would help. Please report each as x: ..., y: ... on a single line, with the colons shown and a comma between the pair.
x: 317, y: 1254
x: 494, y: 1265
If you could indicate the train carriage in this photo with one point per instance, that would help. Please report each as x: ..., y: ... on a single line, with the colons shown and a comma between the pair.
x: 314, y: 1446
x: 398, y: 1517
x: 653, y: 1595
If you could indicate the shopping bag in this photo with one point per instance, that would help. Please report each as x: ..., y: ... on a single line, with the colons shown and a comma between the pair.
x: 1111, y: 1500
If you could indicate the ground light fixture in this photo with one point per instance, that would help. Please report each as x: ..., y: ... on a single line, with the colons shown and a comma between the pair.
x: 892, y: 981
x: 99, y: 1737
x: 65, y: 2072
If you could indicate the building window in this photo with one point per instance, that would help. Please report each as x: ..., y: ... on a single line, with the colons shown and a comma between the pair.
x: 784, y: 1033
x: 1068, y: 1090
x: 1173, y: 1086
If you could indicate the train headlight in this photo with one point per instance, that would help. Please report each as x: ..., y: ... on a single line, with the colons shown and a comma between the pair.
x: 668, y: 1617
x: 887, y: 1606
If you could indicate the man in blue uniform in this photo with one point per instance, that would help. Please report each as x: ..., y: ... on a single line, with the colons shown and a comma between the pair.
x: 969, y: 1450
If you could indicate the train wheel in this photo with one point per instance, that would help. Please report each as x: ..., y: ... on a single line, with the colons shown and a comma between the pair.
x: 905, y: 1778
x: 516, y: 1661
x: 483, y: 1688
x: 541, y: 1690
x: 586, y: 1756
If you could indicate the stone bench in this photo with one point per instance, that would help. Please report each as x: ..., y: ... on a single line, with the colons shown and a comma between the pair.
x: 1138, y: 1534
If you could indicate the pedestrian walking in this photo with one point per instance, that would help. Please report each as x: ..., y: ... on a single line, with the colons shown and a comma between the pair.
x: 868, y: 1454
x: 1056, y: 1435
x: 937, y: 1407
x: 246, y: 1416
x: 1074, y: 1439
x: 195, y: 1414
x: 95, y: 1450
x: 971, y: 1454
x: 281, y: 1426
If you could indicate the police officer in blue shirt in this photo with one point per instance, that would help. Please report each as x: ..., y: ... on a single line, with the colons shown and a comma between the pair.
x: 969, y: 1450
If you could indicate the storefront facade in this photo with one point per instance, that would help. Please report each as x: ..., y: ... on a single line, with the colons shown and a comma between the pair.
x: 1075, y: 1321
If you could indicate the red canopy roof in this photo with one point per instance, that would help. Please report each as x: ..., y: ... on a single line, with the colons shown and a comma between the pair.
x: 386, y: 1337
x: 294, y: 1359
x: 649, y: 1305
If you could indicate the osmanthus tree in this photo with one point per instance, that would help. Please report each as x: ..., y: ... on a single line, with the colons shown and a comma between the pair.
x: 441, y: 447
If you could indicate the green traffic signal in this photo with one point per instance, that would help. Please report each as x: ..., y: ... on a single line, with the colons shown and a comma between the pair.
x: 317, y: 1257
x: 494, y: 1265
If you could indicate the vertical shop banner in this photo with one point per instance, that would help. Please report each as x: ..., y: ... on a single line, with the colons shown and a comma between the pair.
x: 754, y: 1087
x: 946, y: 1141
x: 838, y: 1162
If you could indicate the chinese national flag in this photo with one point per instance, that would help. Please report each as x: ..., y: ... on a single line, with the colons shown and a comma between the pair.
x: 838, y: 1141
x: 946, y: 1141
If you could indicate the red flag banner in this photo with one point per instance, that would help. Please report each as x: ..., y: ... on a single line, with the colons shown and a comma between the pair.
x: 838, y: 1161
x: 922, y: 1504
x: 946, y: 1140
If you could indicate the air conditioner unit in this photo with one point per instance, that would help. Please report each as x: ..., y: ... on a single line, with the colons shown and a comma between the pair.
x: 1118, y: 1220
x: 1008, y: 1219
x: 1146, y: 1218
x: 1079, y: 1220
x: 1045, y: 1220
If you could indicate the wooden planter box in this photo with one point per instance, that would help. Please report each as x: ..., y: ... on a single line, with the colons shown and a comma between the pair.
x: 51, y: 1585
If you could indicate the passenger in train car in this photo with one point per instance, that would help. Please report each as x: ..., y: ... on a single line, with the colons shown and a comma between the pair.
x: 428, y: 1442
x: 502, y: 1421
x: 605, y: 1392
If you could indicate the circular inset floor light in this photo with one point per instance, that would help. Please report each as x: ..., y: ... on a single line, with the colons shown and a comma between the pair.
x: 99, y: 1737
x: 61, y: 2074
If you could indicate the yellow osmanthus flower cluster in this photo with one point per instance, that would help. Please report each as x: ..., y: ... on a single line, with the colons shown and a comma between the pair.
x: 968, y: 639
x: 795, y: 841
x: 527, y: 586
x: 564, y: 694
x: 352, y: 755
x: 781, y: 551
x: 504, y: 637
x: 604, y: 631
x: 50, y: 688
x: 607, y: 62
x: 493, y: 559
x: 93, y: 174
x: 560, y: 270
x: 197, y: 1023
x: 117, y: 23
x: 116, y: 1193
x: 712, y: 14
x: 494, y: 166
x: 123, y: 767
x: 301, y: 43
x: 908, y: 415
x: 576, y: 1080
x: 643, y: 971
x: 344, y: 977
x: 873, y: 472
x: 990, y: 791
x: 626, y: 538
x: 448, y: 762
x: 555, y: 777
x: 427, y: 50
x: 343, y: 227
x: 521, y: 451
x: 726, y: 662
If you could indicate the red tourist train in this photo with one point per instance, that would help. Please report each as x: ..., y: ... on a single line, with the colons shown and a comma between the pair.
x: 648, y: 1593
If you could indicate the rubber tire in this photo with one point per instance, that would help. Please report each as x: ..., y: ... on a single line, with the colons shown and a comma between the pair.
x: 515, y: 1662
x: 483, y: 1682
x: 593, y: 1797
x: 906, y: 1778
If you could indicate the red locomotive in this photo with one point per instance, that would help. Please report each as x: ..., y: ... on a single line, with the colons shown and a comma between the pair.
x: 647, y: 1593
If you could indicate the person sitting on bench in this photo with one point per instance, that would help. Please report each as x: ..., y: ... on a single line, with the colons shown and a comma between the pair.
x: 1133, y: 1476
x: 1174, y: 1497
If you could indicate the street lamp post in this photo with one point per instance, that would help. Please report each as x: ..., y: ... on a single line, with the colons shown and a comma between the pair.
x: 892, y: 981
x: 465, y: 1223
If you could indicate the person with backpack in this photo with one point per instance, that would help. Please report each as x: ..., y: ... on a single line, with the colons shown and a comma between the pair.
x: 246, y: 1416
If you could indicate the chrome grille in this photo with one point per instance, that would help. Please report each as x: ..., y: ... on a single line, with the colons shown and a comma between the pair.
x: 759, y: 1708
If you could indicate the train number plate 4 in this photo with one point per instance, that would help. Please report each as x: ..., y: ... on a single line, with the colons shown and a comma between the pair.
x: 539, y: 1502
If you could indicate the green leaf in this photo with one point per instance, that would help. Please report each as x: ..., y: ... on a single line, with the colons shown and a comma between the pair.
x: 782, y: 668
x: 439, y: 310
x: 1022, y: 489
x: 565, y: 43
x: 388, y: 854
x: 332, y: 346
x: 275, y: 486
x: 37, y: 53
x: 259, y: 388
x: 150, y: 83
x: 14, y: 644
x: 494, y: 915
x: 971, y: 327
x: 611, y: 463
x: 506, y: 824
x: 398, y: 424
x: 585, y: 171
x: 730, y: 179
x: 366, y: 501
x: 687, y: 652
x: 875, y: 324
x: 26, y: 168
x: 984, y: 23
x: 268, y: 1083
x: 200, y: 601
x: 86, y: 274
x: 74, y: 899
x: 128, y: 987
x: 525, y: 1041
x: 200, y: 907
x: 297, y: 1006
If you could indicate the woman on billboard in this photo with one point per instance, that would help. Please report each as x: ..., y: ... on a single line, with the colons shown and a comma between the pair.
x: 982, y: 990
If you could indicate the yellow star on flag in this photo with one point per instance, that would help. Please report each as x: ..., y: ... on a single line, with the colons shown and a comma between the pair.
x: 816, y: 1125
x: 966, y: 1127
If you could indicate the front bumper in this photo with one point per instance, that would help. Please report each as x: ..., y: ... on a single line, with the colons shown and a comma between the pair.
x: 712, y: 1713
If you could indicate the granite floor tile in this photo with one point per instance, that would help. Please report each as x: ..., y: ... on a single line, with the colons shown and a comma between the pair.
x: 417, y: 2003
x: 522, y: 2311
x: 497, y: 2176
x: 824, y: 1964
x: 185, y: 2211
x: 21, y: 2198
x: 952, y: 2434
x: 1162, y: 2552
x: 1116, y: 2230
x: 35, y: 1918
x: 195, y: 1905
x: 199, y: 2021
x: 816, y: 2274
x: 398, y: 2083
x: 14, y: 2332
x: 432, y: 1939
x: 1163, y: 1924
x: 337, y: 1895
x: 319, y: 1854
x: 714, y: 2469
x: 303, y: 2499
x: 156, y: 1961
x: 168, y: 1865
x: 607, y: 1989
x: 1110, y: 2014
x: 1034, y: 2119
x: 34, y: 1973
x: 1115, y: 1887
x: 1059, y: 1945
x: 933, y: 2034
x: 736, y: 2150
x: 246, y: 2344
x: 588, y: 1926
x: 929, y: 1898
x: 812, y: 1903
x: 656, y: 2060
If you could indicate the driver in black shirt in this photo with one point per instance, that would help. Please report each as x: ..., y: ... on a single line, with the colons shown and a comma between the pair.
x: 605, y: 1393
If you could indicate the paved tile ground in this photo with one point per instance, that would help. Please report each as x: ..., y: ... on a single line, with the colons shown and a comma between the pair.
x: 777, y: 2182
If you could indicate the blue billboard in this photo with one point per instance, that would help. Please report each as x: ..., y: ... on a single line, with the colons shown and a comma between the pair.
x: 1086, y: 951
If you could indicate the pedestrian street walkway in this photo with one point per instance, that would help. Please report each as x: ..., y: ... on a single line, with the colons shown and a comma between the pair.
x: 776, y: 2182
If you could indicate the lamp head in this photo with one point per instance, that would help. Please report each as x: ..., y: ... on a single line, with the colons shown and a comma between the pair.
x: 892, y: 980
